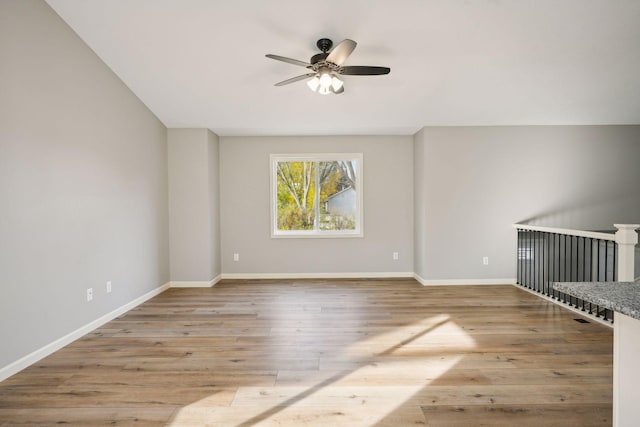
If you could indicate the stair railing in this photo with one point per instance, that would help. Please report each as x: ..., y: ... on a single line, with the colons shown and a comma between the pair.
x: 548, y: 254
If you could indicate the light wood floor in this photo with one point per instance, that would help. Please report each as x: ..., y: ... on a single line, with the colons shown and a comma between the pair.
x: 326, y: 353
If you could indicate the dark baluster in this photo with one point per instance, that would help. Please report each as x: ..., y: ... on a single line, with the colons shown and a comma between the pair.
x: 576, y: 260
x: 532, y: 272
x: 522, y: 255
x: 518, y: 256
x: 570, y: 259
x: 547, y: 250
x: 530, y: 259
x: 598, y: 260
x: 590, y: 269
x: 553, y: 257
x: 572, y: 265
x: 590, y: 265
x: 538, y: 262
x: 534, y: 260
x: 541, y: 263
x: 554, y: 262
x: 584, y: 259
x: 525, y: 271
x: 527, y: 259
x: 564, y: 275
x: 558, y: 260
x: 606, y: 267
x: 522, y: 258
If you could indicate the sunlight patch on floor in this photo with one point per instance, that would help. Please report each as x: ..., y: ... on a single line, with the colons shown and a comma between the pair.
x: 363, y: 386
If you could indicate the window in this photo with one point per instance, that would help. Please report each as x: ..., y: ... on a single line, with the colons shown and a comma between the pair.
x: 316, y: 195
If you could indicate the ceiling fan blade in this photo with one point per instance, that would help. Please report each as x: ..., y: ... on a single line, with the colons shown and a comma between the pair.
x: 340, y: 53
x: 363, y: 70
x: 295, y: 79
x: 289, y: 60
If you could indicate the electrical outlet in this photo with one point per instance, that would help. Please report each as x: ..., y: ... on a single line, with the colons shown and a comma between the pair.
x: 109, y: 287
x: 236, y: 257
x: 485, y: 260
x: 395, y: 256
x: 89, y: 294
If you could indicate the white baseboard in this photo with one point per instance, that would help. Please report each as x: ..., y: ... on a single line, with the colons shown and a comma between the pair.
x: 461, y: 282
x: 195, y: 284
x: 375, y: 275
x: 31, y: 358
x: 369, y: 275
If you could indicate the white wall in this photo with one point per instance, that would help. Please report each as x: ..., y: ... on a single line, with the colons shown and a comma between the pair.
x: 193, y: 205
x: 83, y: 184
x: 472, y: 183
x: 388, y: 208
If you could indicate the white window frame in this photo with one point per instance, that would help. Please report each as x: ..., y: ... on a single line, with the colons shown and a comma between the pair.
x: 315, y: 157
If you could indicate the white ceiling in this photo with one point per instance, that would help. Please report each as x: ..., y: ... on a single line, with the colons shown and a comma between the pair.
x: 201, y: 63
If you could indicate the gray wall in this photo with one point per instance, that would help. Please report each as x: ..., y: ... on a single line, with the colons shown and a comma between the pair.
x: 83, y: 184
x: 388, y: 208
x: 472, y: 183
x: 213, y: 149
x: 419, y: 204
x: 194, y: 205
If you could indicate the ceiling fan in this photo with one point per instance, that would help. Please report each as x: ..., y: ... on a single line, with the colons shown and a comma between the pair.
x: 327, y: 66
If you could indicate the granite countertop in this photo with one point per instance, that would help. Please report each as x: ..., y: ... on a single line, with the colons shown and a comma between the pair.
x: 623, y: 297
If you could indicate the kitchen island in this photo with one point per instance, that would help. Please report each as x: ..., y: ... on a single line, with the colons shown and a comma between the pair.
x: 624, y: 299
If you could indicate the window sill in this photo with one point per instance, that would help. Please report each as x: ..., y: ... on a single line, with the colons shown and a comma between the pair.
x: 316, y: 235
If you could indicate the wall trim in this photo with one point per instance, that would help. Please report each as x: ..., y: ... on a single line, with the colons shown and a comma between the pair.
x: 462, y: 282
x: 33, y: 357
x: 374, y: 275
x: 195, y: 284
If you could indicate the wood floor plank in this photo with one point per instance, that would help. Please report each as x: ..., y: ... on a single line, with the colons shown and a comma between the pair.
x: 329, y: 394
x: 89, y: 417
x: 526, y: 415
x: 279, y: 416
x: 326, y: 352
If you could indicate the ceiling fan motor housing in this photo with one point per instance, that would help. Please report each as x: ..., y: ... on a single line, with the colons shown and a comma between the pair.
x: 318, y: 57
x: 324, y: 44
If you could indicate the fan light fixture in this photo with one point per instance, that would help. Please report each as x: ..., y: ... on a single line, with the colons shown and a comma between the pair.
x: 325, y: 82
x: 324, y: 68
x: 314, y: 83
